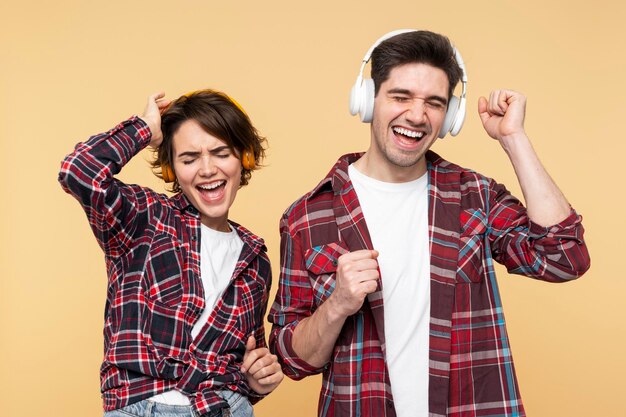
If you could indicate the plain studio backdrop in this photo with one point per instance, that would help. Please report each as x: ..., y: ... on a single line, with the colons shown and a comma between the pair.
x: 70, y: 69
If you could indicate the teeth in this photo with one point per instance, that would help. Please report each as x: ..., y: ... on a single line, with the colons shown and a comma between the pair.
x: 407, y: 132
x: 212, y: 186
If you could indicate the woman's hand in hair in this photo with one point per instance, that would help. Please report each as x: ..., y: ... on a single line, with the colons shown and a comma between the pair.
x: 261, y: 368
x: 152, y: 116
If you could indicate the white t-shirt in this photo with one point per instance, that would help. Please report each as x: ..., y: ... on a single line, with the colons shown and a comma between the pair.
x: 396, y: 215
x: 219, y: 253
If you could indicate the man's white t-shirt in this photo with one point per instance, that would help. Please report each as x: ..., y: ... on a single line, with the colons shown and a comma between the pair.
x: 396, y: 215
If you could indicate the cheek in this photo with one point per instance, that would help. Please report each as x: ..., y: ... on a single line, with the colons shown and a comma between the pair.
x: 232, y: 168
x: 385, y: 113
x: 184, y: 175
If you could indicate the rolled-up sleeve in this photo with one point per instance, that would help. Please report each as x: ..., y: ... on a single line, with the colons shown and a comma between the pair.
x: 294, y: 301
x: 556, y: 253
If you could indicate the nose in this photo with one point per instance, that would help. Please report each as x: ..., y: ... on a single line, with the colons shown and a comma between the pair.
x: 207, y: 166
x: 416, y: 112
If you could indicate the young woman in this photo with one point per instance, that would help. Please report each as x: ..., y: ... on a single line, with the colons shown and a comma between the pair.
x: 187, y: 288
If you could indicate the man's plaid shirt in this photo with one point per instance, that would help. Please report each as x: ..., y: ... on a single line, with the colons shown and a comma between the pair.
x: 472, y: 222
x: 155, y: 295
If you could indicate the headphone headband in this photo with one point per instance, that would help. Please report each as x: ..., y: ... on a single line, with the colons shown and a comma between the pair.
x: 363, y: 91
x: 219, y: 93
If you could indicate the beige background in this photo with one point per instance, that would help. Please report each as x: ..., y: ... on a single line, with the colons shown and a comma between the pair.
x: 70, y: 69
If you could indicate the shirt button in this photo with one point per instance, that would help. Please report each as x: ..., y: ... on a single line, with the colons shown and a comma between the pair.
x: 194, y: 237
x: 334, y: 262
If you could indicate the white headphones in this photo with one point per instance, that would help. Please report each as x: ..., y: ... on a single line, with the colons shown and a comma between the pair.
x: 362, y: 94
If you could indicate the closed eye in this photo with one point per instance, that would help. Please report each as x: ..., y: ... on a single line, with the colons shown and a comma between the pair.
x: 400, y: 99
x: 437, y: 105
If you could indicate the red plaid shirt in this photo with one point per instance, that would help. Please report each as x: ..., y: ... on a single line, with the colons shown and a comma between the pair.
x: 155, y: 293
x: 472, y: 222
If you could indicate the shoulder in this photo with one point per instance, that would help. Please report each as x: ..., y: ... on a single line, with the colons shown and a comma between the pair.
x: 469, y: 179
x: 147, y: 195
x: 319, y: 201
x: 308, y: 209
x: 473, y: 188
x: 247, y: 236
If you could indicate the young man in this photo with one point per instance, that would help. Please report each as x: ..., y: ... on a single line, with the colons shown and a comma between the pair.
x: 387, y: 283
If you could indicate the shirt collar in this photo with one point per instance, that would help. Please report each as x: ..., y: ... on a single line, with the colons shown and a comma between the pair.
x: 338, y: 176
x: 182, y: 203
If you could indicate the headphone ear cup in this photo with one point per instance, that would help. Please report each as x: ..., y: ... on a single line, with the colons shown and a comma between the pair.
x: 247, y: 160
x: 354, y: 98
x: 367, y: 100
x: 457, y: 123
x: 448, y: 121
x: 167, y: 173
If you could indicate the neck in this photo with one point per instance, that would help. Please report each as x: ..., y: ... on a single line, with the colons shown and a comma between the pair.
x: 221, y: 225
x: 381, y: 169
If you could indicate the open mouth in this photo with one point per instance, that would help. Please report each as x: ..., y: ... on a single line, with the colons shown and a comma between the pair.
x: 409, y: 134
x: 212, y: 190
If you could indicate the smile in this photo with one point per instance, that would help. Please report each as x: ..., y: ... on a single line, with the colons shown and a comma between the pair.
x: 408, y: 133
x: 212, y: 186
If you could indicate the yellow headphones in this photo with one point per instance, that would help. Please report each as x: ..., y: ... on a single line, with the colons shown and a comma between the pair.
x: 167, y: 173
x: 247, y: 160
x: 247, y: 157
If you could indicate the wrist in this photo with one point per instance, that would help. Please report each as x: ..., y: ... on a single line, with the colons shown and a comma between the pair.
x: 515, y: 143
x: 155, y: 131
x: 333, y: 312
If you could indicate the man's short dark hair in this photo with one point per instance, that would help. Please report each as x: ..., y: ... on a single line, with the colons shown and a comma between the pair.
x: 419, y: 46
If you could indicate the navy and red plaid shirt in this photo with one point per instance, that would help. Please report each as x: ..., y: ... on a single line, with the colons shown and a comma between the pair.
x: 472, y: 222
x: 155, y: 295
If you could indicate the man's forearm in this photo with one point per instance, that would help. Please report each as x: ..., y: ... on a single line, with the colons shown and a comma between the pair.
x: 545, y: 203
x: 315, y: 336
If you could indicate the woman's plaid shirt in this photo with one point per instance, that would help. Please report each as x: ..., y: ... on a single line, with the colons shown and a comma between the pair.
x: 154, y: 294
x: 472, y: 222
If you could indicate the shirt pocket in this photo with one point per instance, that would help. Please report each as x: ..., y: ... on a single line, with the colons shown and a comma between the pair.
x: 164, y: 270
x: 321, y: 262
x: 250, y: 296
x: 470, y: 266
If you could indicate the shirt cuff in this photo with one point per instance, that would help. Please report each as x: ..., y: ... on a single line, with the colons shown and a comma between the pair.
x: 293, y: 366
x: 569, y: 228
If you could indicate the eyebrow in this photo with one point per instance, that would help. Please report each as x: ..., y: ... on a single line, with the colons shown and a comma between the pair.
x: 404, y: 91
x: 213, y: 151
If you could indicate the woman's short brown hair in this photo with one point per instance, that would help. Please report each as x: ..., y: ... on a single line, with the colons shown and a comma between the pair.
x: 219, y: 116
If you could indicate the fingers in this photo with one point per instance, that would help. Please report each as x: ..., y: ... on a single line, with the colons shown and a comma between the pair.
x: 251, y: 354
x: 362, y: 261
x: 158, y: 101
x: 156, y: 96
x: 250, y: 343
x: 482, y: 109
x: 498, y: 102
x: 263, y: 365
x: 270, y: 375
x: 360, y: 254
x: 356, y: 276
x: 264, y: 372
x: 163, y: 104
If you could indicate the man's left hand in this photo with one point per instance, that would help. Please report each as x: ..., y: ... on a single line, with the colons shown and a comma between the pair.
x: 503, y: 115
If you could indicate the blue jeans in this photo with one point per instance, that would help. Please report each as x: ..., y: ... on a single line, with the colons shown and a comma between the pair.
x: 239, y: 406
